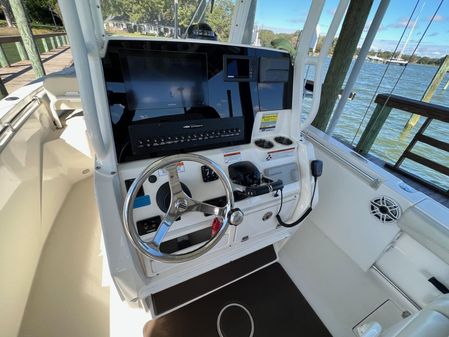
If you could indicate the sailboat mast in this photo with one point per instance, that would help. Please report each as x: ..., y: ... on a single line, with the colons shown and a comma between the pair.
x: 410, y: 33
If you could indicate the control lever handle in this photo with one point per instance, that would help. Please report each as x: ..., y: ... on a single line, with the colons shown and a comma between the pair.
x: 265, y: 188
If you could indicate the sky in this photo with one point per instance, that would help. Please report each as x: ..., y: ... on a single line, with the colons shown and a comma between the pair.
x: 290, y: 15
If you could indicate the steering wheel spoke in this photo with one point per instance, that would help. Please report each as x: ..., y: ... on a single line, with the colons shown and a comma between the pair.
x: 204, y: 207
x: 162, y: 230
x: 173, y: 180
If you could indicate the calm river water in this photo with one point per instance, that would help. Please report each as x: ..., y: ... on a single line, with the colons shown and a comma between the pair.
x: 391, y: 142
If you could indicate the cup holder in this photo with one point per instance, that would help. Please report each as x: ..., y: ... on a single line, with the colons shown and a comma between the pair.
x: 263, y: 143
x: 283, y: 140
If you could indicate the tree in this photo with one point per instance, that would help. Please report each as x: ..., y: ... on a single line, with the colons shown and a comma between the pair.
x: 40, y: 11
x: 220, y: 18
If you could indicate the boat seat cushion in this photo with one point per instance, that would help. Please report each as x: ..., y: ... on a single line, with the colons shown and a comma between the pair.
x: 432, y: 321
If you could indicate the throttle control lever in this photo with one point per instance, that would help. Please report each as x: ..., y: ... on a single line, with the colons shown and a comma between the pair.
x: 264, y: 188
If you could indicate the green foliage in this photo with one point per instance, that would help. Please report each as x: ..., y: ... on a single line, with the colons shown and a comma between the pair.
x: 39, y: 11
x: 283, y: 41
x: 220, y: 18
x: 283, y: 44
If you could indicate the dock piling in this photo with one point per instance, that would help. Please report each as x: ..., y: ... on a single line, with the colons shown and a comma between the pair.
x: 21, y: 50
x: 45, y: 45
x: 27, y: 37
x: 3, y: 91
x: 3, y: 59
x: 372, y: 130
x: 430, y: 91
x: 350, y: 33
x: 52, y: 42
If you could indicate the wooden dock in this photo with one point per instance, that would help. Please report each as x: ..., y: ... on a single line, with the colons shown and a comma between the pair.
x: 21, y: 73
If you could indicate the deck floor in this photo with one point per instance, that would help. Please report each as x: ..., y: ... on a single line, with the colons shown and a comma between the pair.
x: 21, y: 73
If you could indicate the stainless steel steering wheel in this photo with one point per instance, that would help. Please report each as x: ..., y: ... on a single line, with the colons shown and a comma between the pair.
x: 180, y: 203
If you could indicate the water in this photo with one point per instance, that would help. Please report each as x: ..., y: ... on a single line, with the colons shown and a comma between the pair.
x: 390, y: 143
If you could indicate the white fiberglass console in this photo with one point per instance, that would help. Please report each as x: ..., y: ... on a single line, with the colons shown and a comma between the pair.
x: 205, y: 159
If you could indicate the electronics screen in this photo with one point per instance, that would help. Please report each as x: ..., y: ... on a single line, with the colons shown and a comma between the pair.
x: 168, y: 97
x: 165, y: 83
x: 238, y: 68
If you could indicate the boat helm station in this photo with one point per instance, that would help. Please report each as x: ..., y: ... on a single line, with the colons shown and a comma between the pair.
x: 208, y: 173
x: 206, y: 163
x: 200, y: 161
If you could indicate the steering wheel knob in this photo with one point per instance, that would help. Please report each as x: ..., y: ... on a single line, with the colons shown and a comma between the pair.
x: 236, y: 216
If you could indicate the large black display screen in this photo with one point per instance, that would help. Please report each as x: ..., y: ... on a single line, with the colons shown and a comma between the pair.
x: 160, y: 84
x: 167, y: 97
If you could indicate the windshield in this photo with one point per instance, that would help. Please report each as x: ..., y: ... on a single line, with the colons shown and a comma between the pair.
x: 157, y: 17
x: 266, y: 24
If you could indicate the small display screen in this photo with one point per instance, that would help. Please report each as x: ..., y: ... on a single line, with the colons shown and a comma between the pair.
x: 237, y: 68
x: 173, y: 81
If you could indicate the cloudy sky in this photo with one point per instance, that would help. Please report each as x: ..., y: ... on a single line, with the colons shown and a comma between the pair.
x: 289, y: 15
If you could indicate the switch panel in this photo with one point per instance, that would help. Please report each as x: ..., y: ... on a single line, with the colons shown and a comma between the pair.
x: 149, y: 225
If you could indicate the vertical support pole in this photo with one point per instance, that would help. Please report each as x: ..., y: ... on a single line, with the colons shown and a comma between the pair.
x: 373, y: 128
x: 430, y: 91
x: 21, y: 50
x: 3, y: 59
x: 44, y: 44
x: 52, y: 42
x: 350, y: 33
x: 175, y: 33
x: 3, y: 91
x: 58, y: 41
x: 27, y: 37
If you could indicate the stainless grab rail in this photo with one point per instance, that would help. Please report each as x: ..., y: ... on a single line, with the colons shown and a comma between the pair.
x: 395, y: 286
x: 374, y: 182
x: 11, y: 128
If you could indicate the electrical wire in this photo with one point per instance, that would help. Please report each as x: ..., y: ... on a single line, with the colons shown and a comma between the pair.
x: 306, y: 213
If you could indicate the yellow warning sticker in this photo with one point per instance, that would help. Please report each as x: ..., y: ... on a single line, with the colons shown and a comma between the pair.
x: 268, y: 121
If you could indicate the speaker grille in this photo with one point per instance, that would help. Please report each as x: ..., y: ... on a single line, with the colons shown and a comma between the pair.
x: 385, y: 209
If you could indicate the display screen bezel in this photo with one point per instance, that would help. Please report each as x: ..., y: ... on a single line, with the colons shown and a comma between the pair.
x: 239, y: 77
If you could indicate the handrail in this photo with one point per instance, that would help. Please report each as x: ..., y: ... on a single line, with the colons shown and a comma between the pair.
x: 387, y: 102
x: 11, y: 128
x: 414, y: 106
x: 49, y: 41
x: 18, y: 38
